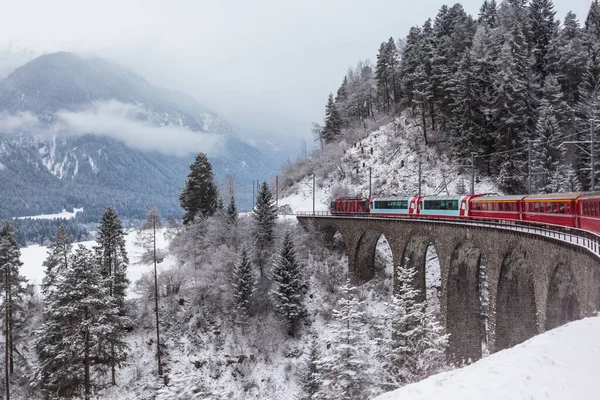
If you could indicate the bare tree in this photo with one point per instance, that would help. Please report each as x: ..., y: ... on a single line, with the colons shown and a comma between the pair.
x: 147, y: 238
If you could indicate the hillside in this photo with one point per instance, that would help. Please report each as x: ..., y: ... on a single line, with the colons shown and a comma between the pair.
x: 560, y: 364
x: 392, y: 152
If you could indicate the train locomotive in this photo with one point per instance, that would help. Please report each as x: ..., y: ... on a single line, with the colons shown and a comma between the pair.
x: 579, y: 210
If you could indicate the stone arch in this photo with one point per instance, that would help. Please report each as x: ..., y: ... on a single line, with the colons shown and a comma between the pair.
x: 562, y: 304
x: 515, y: 301
x: 466, y: 318
x: 364, y: 258
x: 415, y: 256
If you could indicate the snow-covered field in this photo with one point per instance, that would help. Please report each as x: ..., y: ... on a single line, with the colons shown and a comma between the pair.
x: 560, y: 364
x: 63, y: 214
x: 34, y: 256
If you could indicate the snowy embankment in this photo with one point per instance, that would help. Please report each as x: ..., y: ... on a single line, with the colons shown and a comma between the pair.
x: 63, y: 214
x: 391, y: 156
x: 34, y: 256
x: 560, y: 364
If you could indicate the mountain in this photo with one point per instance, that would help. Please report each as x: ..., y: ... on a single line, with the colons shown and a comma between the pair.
x: 48, y: 162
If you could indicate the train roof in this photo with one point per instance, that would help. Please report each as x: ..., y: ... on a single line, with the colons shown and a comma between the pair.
x: 589, y: 195
x: 442, y: 197
x: 555, y: 196
x: 498, y: 198
x: 393, y: 198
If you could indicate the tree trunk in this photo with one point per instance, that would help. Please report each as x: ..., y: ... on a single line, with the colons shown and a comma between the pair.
x: 424, y: 123
x: 6, y: 337
x: 160, y: 372
x: 86, y: 378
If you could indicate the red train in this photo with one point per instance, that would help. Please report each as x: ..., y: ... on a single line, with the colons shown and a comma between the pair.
x: 576, y: 210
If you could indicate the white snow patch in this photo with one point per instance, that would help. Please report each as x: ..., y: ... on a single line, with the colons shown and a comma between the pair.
x: 63, y: 214
x: 33, y: 257
x: 560, y: 364
x: 2, y: 167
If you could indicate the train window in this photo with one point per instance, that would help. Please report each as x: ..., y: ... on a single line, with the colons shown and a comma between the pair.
x: 568, y: 208
x: 554, y: 207
x: 536, y: 207
x: 561, y: 208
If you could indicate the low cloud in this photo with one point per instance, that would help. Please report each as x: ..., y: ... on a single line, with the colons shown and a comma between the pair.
x: 18, y: 123
x: 119, y: 121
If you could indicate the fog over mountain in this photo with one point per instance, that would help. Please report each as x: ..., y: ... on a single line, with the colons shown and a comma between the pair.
x: 84, y: 132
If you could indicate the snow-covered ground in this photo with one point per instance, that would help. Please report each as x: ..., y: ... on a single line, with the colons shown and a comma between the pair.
x: 63, y: 214
x: 560, y: 364
x: 34, y: 256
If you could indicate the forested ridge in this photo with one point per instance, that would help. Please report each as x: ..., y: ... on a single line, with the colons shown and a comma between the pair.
x: 488, y: 87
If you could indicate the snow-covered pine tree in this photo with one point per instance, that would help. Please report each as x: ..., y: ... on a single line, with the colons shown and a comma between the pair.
x: 588, y: 110
x: 511, y: 107
x: 232, y: 213
x: 57, y: 260
x: 542, y: 30
x: 592, y: 22
x: 244, y: 285
x: 345, y: 368
x: 146, y: 238
x: 200, y: 195
x: 567, y: 58
x: 310, y: 376
x: 547, y: 150
x: 265, y: 217
x: 79, y: 316
x: 12, y: 288
x: 112, y: 255
x: 290, y: 286
x: 333, y: 122
x: 416, y: 345
x: 488, y: 14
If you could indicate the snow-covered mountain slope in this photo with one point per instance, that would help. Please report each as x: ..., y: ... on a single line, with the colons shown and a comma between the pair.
x: 83, y: 132
x: 560, y: 364
x: 392, y: 153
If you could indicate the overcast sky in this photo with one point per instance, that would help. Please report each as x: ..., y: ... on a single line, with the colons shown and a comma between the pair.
x: 266, y: 66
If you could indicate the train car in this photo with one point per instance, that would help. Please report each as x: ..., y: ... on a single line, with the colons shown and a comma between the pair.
x: 350, y: 206
x: 391, y: 206
x: 588, y: 212
x: 444, y: 206
x: 552, y: 208
x: 496, y: 207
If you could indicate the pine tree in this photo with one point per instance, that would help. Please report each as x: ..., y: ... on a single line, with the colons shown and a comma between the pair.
x: 592, y: 22
x: 333, y: 122
x: 79, y: 317
x: 542, y: 31
x: 512, y: 109
x: 587, y: 111
x: 111, y: 252
x: 232, y: 213
x: 568, y: 57
x: 244, y: 285
x: 200, y: 195
x: 290, y: 286
x: 416, y: 346
x: 57, y: 260
x: 488, y: 14
x: 12, y: 287
x: 310, y: 376
x: 547, y: 151
x: 265, y: 217
x: 345, y: 368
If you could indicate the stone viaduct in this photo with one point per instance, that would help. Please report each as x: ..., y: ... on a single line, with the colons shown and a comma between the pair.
x: 535, y: 282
